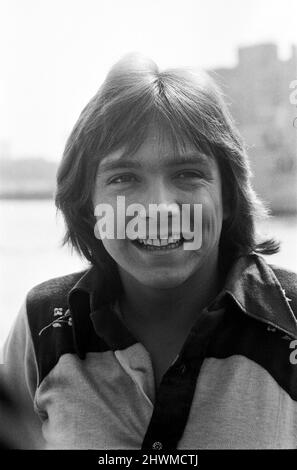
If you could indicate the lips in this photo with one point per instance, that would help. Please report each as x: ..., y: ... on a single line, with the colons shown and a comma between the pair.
x: 159, y: 242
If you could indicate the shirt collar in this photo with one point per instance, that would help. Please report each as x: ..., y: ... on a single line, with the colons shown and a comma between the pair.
x: 254, y: 287
x: 250, y: 283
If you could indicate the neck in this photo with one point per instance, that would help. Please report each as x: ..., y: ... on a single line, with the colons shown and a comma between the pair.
x: 171, y: 308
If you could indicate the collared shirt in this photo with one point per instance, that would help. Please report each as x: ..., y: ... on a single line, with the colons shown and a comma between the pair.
x: 233, y: 384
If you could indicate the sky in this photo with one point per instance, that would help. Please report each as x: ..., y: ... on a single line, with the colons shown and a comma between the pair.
x: 55, y: 53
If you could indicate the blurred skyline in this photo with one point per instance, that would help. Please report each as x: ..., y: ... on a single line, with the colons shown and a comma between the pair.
x: 55, y: 54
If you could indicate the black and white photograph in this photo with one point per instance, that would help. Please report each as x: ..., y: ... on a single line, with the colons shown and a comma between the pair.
x: 148, y: 242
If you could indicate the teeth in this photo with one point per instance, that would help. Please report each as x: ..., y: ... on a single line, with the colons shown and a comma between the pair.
x: 159, y: 242
x: 148, y: 242
x: 156, y: 242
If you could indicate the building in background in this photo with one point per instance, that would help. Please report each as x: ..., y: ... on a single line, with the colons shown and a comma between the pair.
x: 258, y: 91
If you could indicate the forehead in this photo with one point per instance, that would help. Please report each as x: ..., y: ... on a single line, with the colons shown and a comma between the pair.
x: 156, y: 150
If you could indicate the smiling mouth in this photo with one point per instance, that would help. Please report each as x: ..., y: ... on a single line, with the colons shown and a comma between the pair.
x: 158, y: 244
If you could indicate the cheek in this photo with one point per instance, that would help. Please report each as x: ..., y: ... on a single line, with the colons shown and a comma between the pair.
x: 109, y: 216
x: 212, y: 215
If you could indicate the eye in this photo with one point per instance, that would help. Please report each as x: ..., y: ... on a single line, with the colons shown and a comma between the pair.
x: 188, y: 174
x: 127, y: 178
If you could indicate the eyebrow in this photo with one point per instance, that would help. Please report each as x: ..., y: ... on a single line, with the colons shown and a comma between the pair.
x: 191, y: 159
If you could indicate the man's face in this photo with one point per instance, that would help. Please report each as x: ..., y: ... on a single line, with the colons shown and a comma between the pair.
x: 153, y: 175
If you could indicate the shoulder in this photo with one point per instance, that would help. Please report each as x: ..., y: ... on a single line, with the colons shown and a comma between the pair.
x: 48, y: 301
x: 47, y: 307
x: 287, y: 280
x: 53, y: 289
x: 285, y: 276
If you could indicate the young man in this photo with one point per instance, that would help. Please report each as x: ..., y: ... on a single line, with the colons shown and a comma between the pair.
x: 156, y: 345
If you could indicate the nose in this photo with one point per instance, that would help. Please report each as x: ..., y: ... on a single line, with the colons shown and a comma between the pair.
x: 162, y: 208
x: 162, y: 195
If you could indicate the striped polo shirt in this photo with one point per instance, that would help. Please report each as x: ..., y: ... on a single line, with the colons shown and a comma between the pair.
x: 89, y: 384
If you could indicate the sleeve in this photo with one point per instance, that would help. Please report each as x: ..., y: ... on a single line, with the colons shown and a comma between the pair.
x: 20, y: 425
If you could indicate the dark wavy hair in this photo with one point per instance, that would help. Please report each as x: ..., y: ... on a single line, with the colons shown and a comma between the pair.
x: 187, y: 106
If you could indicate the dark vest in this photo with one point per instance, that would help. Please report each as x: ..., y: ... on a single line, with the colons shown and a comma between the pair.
x: 50, y: 343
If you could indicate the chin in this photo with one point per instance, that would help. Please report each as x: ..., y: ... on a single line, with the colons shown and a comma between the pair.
x: 165, y: 281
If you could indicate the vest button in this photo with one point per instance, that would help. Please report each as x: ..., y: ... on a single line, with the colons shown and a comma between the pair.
x: 157, y: 445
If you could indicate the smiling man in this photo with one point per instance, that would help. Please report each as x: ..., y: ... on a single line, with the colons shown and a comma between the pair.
x: 161, y: 318
x: 157, y: 346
